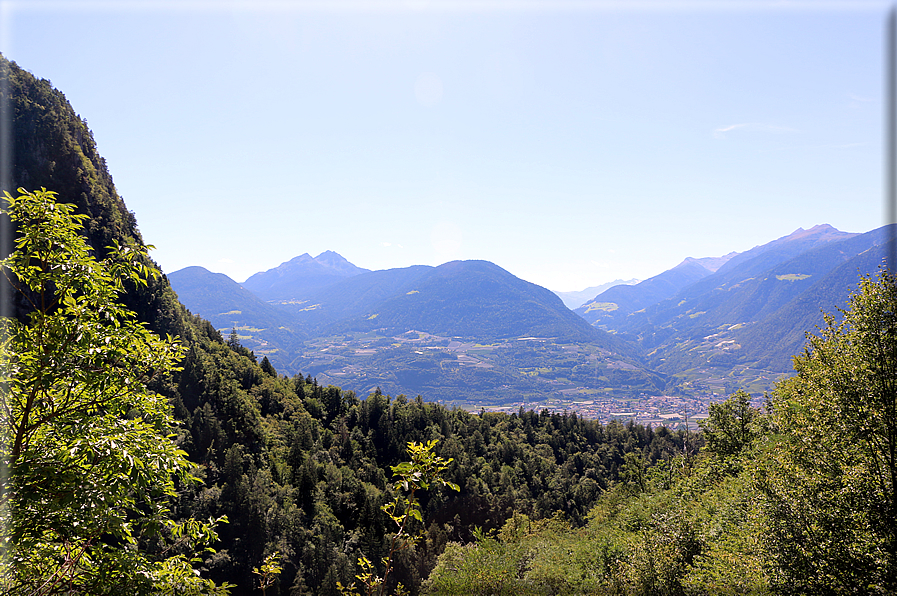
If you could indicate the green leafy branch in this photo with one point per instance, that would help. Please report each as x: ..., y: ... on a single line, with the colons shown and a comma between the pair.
x: 271, y: 568
x: 424, y: 470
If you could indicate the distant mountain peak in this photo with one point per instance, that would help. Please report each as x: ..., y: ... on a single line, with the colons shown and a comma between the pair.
x: 304, y: 257
x: 300, y: 275
x: 337, y: 262
x: 691, y: 262
x: 711, y: 264
x: 817, y: 230
x: 821, y: 232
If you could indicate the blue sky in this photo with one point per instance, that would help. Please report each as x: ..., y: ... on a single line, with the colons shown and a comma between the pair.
x: 571, y: 143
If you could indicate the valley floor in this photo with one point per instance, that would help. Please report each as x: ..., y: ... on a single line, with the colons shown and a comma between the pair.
x: 529, y: 373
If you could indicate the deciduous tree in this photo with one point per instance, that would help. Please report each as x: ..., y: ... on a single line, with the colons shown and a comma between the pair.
x: 830, y: 476
x: 732, y: 425
x: 86, y: 445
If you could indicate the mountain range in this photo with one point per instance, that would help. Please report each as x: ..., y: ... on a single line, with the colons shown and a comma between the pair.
x: 461, y: 331
x: 709, y: 323
x: 689, y: 316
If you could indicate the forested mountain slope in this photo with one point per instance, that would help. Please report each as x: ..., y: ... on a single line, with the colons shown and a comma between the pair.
x: 616, y: 303
x: 750, y: 313
x: 224, y: 302
x: 53, y: 148
x: 774, y: 339
x: 474, y: 299
x: 747, y: 290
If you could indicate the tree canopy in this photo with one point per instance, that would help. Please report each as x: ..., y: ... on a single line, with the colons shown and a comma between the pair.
x: 87, y: 445
x: 829, y: 478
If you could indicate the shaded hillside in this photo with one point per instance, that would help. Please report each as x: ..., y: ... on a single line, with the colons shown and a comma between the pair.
x: 227, y: 305
x: 796, y: 258
x: 614, y: 305
x: 782, y: 334
x: 744, y: 316
x: 694, y: 278
x: 474, y: 299
x: 352, y: 297
x: 218, y: 298
x: 746, y: 292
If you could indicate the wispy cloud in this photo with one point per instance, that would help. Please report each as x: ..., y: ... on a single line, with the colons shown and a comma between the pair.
x: 720, y: 133
x: 390, y: 244
x: 860, y: 99
x: 826, y: 146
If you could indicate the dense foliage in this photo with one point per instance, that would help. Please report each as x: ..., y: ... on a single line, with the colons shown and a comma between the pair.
x: 830, y: 478
x: 302, y: 469
x: 685, y: 526
x: 85, y: 444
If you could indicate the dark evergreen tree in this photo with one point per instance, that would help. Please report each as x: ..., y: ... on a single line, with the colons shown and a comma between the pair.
x: 268, y: 368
